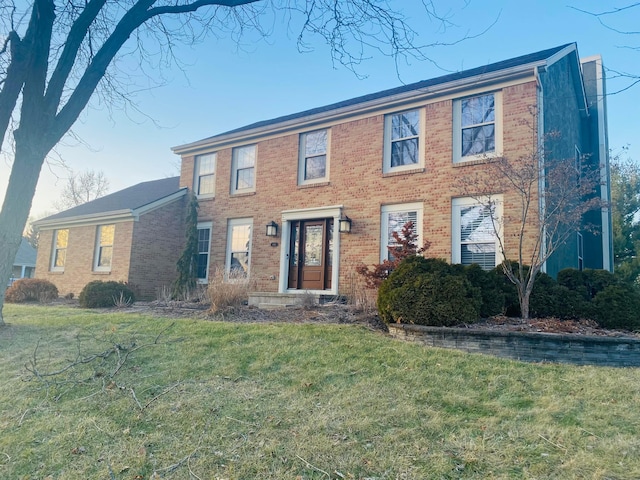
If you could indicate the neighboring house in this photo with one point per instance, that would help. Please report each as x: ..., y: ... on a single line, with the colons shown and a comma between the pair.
x: 278, y: 197
x: 24, y: 264
x: 135, y: 235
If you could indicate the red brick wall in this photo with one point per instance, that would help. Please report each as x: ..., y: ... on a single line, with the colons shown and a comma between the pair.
x: 158, y: 241
x: 357, y: 182
x: 78, y: 269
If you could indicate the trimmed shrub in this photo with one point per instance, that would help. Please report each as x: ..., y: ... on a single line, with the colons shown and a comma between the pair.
x: 489, y: 285
x: 98, y: 294
x: 617, y: 306
x: 428, y: 292
x: 31, y: 290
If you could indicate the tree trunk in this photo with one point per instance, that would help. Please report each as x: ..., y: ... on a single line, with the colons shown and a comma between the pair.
x: 524, y: 297
x: 26, y: 168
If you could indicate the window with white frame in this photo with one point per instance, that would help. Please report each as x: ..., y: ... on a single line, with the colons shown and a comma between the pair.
x: 580, y: 252
x: 205, y: 170
x: 104, y: 248
x: 394, y: 218
x: 59, y: 253
x: 243, y: 171
x: 476, y: 231
x: 578, y: 166
x: 477, y: 126
x: 204, y: 246
x: 238, y: 259
x: 313, y: 162
x: 402, y: 141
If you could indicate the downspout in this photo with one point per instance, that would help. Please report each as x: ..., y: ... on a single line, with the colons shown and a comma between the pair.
x: 541, y: 163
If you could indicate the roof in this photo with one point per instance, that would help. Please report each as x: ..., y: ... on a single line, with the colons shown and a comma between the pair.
x: 26, y: 254
x: 129, y: 200
x: 432, y: 84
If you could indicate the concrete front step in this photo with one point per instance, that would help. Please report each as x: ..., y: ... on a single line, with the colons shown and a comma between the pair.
x: 271, y: 301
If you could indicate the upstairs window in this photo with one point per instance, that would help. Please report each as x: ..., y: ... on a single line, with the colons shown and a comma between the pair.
x: 104, y: 248
x: 477, y: 127
x: 243, y: 170
x: 59, y: 254
x: 402, y: 145
x: 205, y: 170
x: 313, y: 165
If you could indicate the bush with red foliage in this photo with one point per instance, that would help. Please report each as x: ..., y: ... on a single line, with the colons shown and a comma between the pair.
x: 31, y: 290
x: 405, y: 246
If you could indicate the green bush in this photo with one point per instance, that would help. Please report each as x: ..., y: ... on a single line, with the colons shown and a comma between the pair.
x: 31, y: 289
x: 428, y: 292
x: 98, y: 294
x: 617, y: 306
x: 489, y: 285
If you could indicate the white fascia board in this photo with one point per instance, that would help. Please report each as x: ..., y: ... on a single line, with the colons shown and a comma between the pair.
x: 80, y: 220
x: 361, y: 108
x: 149, y: 207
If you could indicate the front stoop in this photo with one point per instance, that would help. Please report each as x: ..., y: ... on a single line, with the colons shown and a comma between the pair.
x: 273, y: 301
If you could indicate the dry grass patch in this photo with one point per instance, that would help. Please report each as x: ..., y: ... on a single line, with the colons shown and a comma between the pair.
x: 285, y: 401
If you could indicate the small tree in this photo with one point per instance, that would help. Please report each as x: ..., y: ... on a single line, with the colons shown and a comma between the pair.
x: 552, y: 197
x: 406, y: 244
x: 188, y: 262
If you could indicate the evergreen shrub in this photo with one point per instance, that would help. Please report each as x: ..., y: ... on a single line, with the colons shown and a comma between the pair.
x: 98, y: 294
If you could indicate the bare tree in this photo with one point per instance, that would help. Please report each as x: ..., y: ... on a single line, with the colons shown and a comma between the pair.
x: 82, y: 188
x: 548, y: 200
x: 613, y: 19
x: 55, y: 55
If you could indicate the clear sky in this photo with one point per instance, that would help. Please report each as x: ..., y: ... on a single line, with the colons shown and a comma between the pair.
x: 222, y: 87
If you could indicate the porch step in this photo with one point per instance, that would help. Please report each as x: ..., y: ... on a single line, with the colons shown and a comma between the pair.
x: 272, y: 301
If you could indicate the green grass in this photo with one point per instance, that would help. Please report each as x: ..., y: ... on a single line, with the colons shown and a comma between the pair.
x: 216, y: 400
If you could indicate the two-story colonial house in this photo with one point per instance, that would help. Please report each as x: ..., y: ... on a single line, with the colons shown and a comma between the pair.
x: 297, y: 202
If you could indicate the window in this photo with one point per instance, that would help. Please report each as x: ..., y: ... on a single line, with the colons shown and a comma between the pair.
x: 312, y: 166
x: 475, y: 232
x: 104, y: 248
x: 402, y: 146
x: 59, y: 254
x: 394, y: 217
x: 238, y: 248
x: 580, y: 252
x: 578, y: 166
x: 243, y: 172
x: 205, y: 170
x: 204, y: 244
x: 477, y: 127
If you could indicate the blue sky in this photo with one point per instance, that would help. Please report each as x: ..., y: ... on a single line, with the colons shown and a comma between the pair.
x: 222, y: 87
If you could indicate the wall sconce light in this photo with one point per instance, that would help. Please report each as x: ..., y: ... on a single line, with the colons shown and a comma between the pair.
x: 272, y: 229
x: 344, y: 225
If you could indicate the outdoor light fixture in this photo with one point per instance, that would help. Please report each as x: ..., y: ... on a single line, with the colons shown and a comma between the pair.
x: 344, y: 225
x: 272, y: 229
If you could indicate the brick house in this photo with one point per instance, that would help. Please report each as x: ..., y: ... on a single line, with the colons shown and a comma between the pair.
x: 297, y: 202
x: 135, y: 235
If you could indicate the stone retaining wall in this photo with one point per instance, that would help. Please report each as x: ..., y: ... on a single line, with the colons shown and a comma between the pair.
x: 526, y: 346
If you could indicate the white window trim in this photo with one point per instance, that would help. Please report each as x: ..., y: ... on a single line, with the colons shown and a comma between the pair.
x: 302, y: 157
x: 234, y: 169
x: 386, y: 166
x: 54, y: 249
x: 196, y: 175
x: 580, y: 252
x: 202, y: 226
x: 417, y: 207
x: 456, y: 205
x: 96, y: 254
x: 334, y: 211
x: 227, y: 263
x: 457, y: 129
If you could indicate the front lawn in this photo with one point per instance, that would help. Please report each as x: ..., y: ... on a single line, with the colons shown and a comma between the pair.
x: 189, y: 399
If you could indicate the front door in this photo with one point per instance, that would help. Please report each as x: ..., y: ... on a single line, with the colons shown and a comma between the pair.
x: 310, y: 254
